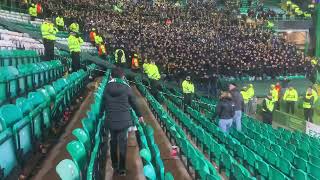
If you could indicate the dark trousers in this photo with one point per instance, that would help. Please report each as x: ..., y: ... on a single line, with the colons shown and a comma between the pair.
x: 60, y: 28
x: 154, y: 87
x: 75, y: 56
x: 308, y: 114
x: 118, y: 142
x: 48, y: 49
x: 267, y: 117
x: 290, y: 107
x: 277, y: 105
x: 187, y: 100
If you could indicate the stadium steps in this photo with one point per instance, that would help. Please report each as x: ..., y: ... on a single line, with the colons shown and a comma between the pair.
x: 171, y: 164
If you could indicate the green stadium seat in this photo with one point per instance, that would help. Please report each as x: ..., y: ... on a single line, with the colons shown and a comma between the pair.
x: 288, y: 154
x: 159, y: 168
x: 302, y: 153
x: 239, y: 152
x: 226, y: 160
x: 168, y: 176
x: 9, y: 115
x: 284, y: 166
x: 7, y: 148
x: 8, y: 83
x: 78, y: 153
x: 262, y: 168
x: 239, y: 172
x: 145, y: 155
x: 24, y: 105
x: 271, y: 157
x: 83, y: 137
x: 68, y: 170
x: 314, y: 160
x: 23, y: 138
x: 251, y: 158
x: 313, y: 170
x: 300, y: 163
x: 88, y: 126
x: 299, y: 174
x: 276, y: 174
x: 149, y: 172
x: 276, y: 148
x: 261, y: 150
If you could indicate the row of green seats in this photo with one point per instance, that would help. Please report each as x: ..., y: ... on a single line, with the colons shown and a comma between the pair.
x: 24, y: 126
x: 86, y: 150
x: 17, y: 57
x: 203, y: 168
x: 17, y: 81
x: 223, y: 158
x: 150, y: 154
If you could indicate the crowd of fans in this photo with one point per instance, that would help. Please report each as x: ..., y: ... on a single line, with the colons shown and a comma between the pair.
x: 199, y: 40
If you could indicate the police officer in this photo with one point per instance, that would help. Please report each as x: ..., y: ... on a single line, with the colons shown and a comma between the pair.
x: 267, y: 109
x: 246, y: 98
x: 74, y: 43
x: 48, y: 32
x: 188, y: 92
x: 74, y: 27
x: 33, y: 12
x: 60, y: 22
x: 290, y: 97
x: 250, y: 92
x: 308, y: 102
x: 120, y: 58
x: 275, y: 96
x: 154, y: 77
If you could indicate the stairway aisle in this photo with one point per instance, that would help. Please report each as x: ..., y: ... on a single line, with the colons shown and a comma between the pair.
x: 171, y: 164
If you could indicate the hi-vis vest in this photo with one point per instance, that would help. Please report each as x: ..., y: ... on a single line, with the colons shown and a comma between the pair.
x: 187, y: 87
x: 33, y: 11
x: 102, y: 49
x: 135, y: 63
x: 59, y: 21
x: 48, y: 31
x: 245, y: 96
x: 290, y: 95
x: 123, y: 57
x: 269, y: 105
x: 153, y: 72
x: 275, y: 95
x: 307, y: 103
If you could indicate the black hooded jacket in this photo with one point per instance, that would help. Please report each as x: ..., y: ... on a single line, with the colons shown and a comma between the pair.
x: 117, y: 101
x: 225, y: 109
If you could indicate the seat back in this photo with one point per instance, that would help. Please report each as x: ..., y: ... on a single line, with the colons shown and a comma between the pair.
x: 23, y: 136
x: 83, y: 137
x: 7, y: 150
x: 78, y: 153
x: 9, y: 115
x: 68, y: 170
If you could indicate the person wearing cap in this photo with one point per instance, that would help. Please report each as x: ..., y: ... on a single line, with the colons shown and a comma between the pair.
x: 117, y: 101
x: 135, y: 62
x: 74, y: 44
x: 60, y: 22
x: 308, y: 102
x: 246, y: 98
x: 188, y: 92
x: 48, y: 32
x: 120, y: 57
x: 92, y: 36
x: 33, y: 11
x: 290, y: 97
x: 275, y: 96
x: 250, y: 92
x: 225, y: 112
x: 267, y: 109
x: 74, y: 27
x: 237, y: 103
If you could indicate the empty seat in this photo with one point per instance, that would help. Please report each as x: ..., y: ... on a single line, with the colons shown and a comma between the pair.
x: 8, y: 159
x: 68, y: 170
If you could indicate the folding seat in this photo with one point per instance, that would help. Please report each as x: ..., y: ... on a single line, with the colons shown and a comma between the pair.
x: 284, y: 166
x: 314, y: 160
x: 149, y: 172
x: 203, y: 168
x: 159, y: 168
x: 226, y: 161
x: 26, y: 81
x: 299, y: 174
x: 68, y: 170
x: 291, y: 147
x: 84, y: 138
x: 251, y: 158
x: 168, y: 176
x: 145, y: 156
x: 300, y: 163
x: 239, y: 172
x: 78, y: 153
x: 313, y: 170
x: 271, y: 157
x: 9, y: 162
x: 276, y: 174
x: 251, y: 144
x: 302, y: 153
x: 262, y: 168
x: 8, y: 83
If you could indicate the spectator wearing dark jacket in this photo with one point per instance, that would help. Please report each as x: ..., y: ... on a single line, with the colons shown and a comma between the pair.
x: 225, y: 112
x: 238, y: 104
x: 117, y: 101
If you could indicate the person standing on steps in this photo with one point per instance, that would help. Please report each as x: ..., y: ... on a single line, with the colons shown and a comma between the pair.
x: 238, y: 105
x: 188, y: 92
x: 117, y: 102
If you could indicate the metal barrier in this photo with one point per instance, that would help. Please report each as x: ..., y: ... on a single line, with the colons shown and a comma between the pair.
x: 290, y: 121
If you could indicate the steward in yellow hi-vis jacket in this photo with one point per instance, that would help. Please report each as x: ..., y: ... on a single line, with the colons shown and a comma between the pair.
x: 188, y: 91
x: 74, y: 43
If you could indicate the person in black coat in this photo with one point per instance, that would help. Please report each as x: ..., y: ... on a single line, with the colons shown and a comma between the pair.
x: 117, y: 101
x: 225, y: 111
